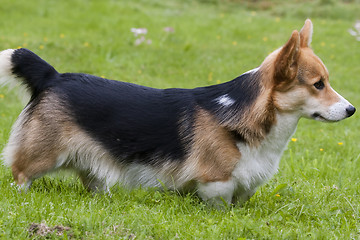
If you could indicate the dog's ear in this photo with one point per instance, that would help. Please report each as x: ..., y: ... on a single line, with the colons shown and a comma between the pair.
x: 306, y: 34
x: 286, y: 63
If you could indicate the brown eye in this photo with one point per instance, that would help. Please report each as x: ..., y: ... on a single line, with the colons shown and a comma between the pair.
x: 319, y: 85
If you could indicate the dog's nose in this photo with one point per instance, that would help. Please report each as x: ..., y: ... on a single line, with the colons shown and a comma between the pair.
x: 350, y: 110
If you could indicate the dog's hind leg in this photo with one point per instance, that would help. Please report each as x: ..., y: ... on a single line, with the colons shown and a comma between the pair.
x: 23, y: 183
x: 29, y: 164
x: 33, y: 150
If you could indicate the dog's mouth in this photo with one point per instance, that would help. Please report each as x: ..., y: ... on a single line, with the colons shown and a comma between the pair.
x: 317, y: 116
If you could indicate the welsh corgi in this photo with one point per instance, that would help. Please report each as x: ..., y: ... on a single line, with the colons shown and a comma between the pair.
x: 221, y: 141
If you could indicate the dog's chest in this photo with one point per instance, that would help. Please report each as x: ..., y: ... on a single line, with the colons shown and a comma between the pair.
x: 258, y: 164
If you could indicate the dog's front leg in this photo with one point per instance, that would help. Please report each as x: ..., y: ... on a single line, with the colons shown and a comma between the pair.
x: 92, y: 183
x: 216, y: 193
x: 241, y: 195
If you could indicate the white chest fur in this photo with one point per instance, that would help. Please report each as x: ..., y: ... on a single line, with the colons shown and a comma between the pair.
x: 258, y: 164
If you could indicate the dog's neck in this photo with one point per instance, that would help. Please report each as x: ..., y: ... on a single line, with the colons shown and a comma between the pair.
x: 259, y: 163
x: 284, y: 127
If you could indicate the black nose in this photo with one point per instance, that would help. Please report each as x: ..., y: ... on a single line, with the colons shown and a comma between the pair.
x: 350, y: 110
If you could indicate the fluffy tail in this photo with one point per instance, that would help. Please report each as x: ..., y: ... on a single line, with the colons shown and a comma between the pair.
x: 21, y: 66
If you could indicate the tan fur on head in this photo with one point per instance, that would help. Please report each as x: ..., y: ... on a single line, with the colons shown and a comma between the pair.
x: 286, y: 66
x: 297, y: 69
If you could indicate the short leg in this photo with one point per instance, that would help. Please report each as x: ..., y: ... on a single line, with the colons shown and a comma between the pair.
x: 216, y: 192
x: 23, y: 183
x: 92, y: 183
x: 25, y: 173
x: 241, y: 196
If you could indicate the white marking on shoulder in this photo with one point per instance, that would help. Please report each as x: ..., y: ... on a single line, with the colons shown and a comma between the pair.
x: 225, y: 100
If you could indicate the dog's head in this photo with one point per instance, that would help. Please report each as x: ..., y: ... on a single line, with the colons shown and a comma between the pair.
x: 301, y: 81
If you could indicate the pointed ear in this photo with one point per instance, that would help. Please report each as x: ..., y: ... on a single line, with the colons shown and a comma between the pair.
x: 306, y: 34
x: 286, y: 63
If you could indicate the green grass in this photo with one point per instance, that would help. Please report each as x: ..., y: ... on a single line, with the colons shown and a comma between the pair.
x: 315, y: 195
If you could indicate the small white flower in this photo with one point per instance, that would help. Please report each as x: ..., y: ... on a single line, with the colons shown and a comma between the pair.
x: 169, y: 29
x: 139, y: 31
x: 138, y: 41
x: 357, y: 25
x: 352, y: 32
x: 356, y: 31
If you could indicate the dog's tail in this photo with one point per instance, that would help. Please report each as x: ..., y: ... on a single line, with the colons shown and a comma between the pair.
x: 23, y: 67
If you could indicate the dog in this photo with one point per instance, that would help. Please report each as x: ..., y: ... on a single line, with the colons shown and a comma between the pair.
x: 221, y: 141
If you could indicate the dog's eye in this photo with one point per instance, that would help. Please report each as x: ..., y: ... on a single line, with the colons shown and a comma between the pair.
x: 319, y: 85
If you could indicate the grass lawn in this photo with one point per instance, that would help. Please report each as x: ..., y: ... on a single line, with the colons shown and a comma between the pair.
x: 315, y: 195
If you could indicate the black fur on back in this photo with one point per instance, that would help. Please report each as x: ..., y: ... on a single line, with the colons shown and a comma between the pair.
x: 136, y: 124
